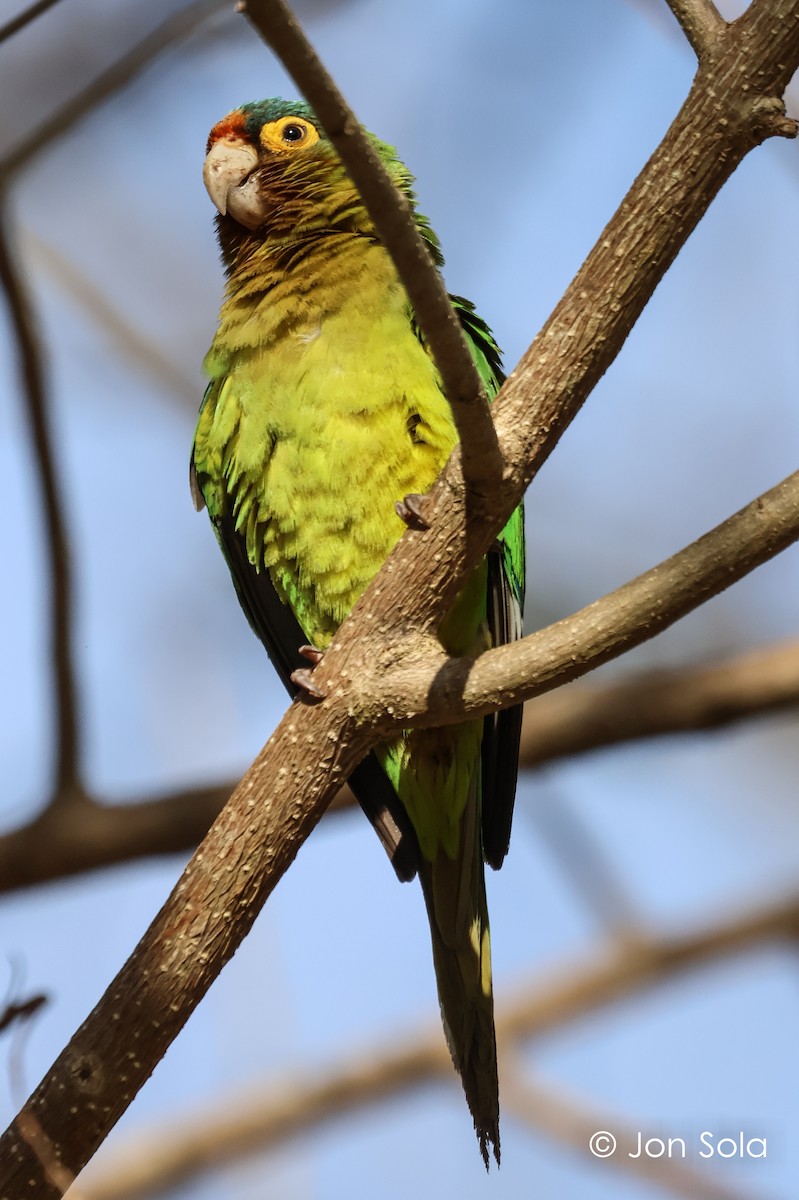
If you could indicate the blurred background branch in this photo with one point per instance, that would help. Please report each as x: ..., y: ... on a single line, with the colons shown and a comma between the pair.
x: 67, y: 786
x: 25, y: 17
x: 174, y: 30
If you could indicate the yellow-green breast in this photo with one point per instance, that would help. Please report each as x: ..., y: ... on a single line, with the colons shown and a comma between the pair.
x: 324, y: 410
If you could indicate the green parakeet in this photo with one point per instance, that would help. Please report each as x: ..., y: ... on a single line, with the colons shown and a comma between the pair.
x: 324, y: 409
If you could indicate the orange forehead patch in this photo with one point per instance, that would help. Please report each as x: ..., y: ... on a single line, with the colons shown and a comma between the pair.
x: 232, y: 126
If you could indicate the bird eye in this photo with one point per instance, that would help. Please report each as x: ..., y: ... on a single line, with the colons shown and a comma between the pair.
x: 294, y: 132
x: 288, y: 133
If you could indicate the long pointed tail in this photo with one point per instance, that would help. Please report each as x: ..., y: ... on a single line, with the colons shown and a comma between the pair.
x: 454, y: 892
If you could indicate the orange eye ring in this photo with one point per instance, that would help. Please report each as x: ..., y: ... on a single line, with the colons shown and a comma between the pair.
x: 289, y: 134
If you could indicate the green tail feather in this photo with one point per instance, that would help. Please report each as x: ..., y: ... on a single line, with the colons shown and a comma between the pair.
x: 454, y: 892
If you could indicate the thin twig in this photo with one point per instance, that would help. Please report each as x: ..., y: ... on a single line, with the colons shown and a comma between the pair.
x: 155, y: 1160
x: 174, y: 29
x: 25, y: 17
x: 701, y: 22
x: 142, y: 352
x: 394, y: 221
x: 67, y: 782
x: 586, y: 717
x: 20, y: 1011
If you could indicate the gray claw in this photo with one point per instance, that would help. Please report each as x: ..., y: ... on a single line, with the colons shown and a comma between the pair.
x: 411, y: 510
x: 303, y: 679
x: 312, y: 654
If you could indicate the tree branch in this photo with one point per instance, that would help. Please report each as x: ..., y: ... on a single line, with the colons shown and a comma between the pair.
x: 24, y: 18
x: 152, y: 1161
x: 392, y: 216
x: 67, y: 786
x: 575, y: 720
x: 701, y: 22
x: 174, y: 29
x: 60, y: 842
x: 624, y: 618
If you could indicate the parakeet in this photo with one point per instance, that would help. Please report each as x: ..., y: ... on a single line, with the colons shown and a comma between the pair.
x: 323, y: 411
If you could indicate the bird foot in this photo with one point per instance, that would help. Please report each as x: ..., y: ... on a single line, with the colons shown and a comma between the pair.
x: 411, y: 510
x: 312, y: 654
x: 303, y: 679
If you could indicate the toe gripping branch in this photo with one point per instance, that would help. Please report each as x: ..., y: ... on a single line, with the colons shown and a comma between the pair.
x: 411, y: 510
x: 303, y: 678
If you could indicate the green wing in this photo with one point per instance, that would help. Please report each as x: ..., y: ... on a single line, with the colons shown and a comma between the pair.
x: 505, y: 615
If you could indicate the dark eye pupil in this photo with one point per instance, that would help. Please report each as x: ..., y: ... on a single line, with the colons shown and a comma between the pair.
x: 293, y: 133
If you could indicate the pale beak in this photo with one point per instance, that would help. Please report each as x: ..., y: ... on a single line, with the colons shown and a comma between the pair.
x: 227, y: 172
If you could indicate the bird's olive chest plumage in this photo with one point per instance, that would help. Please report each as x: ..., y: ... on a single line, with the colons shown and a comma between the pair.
x: 323, y: 409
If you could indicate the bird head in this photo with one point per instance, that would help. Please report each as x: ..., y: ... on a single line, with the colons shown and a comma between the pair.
x: 270, y: 167
x: 276, y: 178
